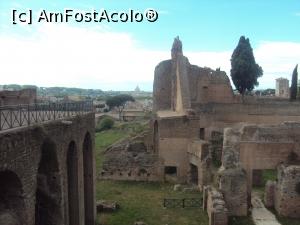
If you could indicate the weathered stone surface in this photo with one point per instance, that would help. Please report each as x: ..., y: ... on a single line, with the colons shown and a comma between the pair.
x: 177, y: 187
x: 215, y: 206
x: 287, y: 196
x: 176, y: 48
x: 9, y: 218
x: 140, y: 223
x: 107, y: 206
x: 233, y: 186
x: 130, y: 160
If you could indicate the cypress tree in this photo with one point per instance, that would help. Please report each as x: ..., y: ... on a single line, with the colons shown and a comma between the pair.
x: 244, y: 70
x: 294, y: 84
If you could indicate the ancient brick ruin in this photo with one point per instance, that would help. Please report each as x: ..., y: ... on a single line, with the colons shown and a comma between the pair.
x: 199, y: 121
x: 200, y: 127
x: 131, y: 159
x: 284, y: 194
x: 47, y: 173
x: 25, y: 96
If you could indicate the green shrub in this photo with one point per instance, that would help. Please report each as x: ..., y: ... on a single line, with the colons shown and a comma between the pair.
x: 105, y: 124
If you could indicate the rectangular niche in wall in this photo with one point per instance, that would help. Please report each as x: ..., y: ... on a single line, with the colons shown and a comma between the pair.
x: 201, y: 133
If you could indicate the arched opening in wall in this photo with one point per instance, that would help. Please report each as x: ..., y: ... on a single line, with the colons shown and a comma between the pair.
x: 12, y: 208
x: 88, y: 179
x: 155, y: 137
x: 72, y: 171
x: 48, y: 191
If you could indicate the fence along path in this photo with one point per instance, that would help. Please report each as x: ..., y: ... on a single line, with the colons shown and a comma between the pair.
x: 182, y: 202
x: 12, y: 116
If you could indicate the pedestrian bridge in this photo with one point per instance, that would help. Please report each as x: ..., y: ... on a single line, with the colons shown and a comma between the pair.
x: 47, y: 164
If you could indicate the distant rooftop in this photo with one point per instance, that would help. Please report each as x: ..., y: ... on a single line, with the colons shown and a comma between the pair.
x: 281, y: 78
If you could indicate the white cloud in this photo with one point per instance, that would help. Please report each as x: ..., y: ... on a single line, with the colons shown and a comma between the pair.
x: 297, y: 14
x: 277, y: 59
x: 61, y: 55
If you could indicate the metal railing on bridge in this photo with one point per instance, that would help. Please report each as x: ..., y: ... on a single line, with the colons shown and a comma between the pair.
x: 12, y: 116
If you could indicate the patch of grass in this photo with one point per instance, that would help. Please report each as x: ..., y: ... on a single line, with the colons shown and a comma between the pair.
x: 132, y: 128
x: 144, y: 201
x: 269, y: 175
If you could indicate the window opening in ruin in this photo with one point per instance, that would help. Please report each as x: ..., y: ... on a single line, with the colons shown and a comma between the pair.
x: 202, y: 133
x: 171, y: 170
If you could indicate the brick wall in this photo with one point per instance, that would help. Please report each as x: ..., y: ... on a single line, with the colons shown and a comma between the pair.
x: 21, y: 153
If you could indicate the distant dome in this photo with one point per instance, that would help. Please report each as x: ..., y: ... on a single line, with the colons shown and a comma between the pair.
x: 137, y: 89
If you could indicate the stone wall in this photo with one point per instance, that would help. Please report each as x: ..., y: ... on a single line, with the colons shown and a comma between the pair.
x: 49, y: 171
x: 131, y: 159
x: 193, y: 103
x: 25, y: 96
x: 178, y: 84
x: 287, y: 191
x: 162, y: 90
x: 214, y: 204
x: 260, y: 147
x: 198, y: 155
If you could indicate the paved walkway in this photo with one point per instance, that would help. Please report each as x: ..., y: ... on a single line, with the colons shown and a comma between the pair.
x: 261, y: 215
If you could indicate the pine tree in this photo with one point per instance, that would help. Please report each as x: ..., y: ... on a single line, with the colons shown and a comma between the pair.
x: 244, y: 70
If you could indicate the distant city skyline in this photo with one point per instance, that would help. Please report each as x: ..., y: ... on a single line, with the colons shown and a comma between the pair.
x: 120, y: 56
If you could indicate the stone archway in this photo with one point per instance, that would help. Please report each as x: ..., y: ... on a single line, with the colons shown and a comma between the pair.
x: 72, y: 174
x: 12, y: 207
x: 88, y: 179
x: 48, y: 209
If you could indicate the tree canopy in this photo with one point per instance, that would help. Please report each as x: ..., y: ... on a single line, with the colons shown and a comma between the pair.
x: 244, y: 70
x: 119, y: 101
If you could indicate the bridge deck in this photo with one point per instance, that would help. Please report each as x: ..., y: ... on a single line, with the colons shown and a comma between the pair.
x: 26, y: 115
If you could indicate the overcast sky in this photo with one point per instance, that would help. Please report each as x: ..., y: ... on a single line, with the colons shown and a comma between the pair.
x: 119, y: 56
